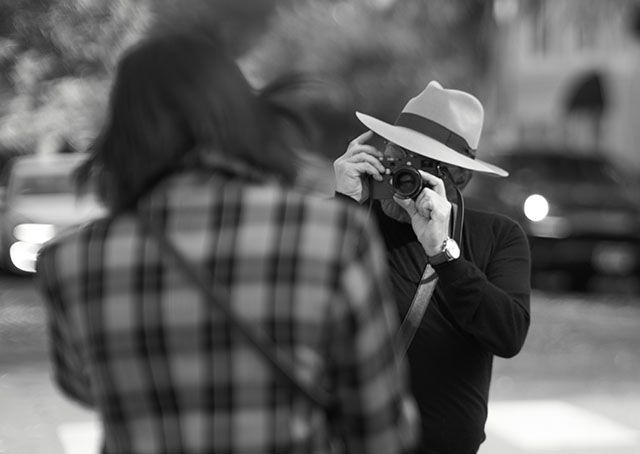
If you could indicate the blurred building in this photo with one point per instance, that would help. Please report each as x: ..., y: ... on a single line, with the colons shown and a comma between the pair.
x: 569, y: 70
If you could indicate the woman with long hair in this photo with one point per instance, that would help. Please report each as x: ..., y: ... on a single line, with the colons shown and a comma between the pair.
x: 192, y: 153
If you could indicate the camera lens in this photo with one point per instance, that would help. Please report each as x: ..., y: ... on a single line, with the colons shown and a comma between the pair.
x: 407, y: 182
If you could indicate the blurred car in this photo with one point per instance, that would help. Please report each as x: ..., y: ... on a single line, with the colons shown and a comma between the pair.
x: 576, y: 207
x: 38, y: 201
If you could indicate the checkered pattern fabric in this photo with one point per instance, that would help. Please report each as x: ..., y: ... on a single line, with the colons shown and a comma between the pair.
x: 132, y: 338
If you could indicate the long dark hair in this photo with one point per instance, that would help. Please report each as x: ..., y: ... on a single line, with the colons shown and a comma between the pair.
x: 175, y: 96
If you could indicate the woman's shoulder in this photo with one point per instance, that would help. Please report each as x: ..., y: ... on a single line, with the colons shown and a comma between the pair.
x: 335, y: 211
x: 312, y: 200
x: 63, y: 252
x: 75, y: 234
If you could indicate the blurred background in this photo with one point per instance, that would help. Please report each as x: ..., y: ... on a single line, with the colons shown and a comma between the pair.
x: 560, y: 81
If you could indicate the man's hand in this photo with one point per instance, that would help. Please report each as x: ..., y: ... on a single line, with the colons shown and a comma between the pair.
x: 430, y: 213
x: 359, y: 160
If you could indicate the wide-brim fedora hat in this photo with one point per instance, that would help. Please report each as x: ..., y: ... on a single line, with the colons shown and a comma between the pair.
x: 441, y: 124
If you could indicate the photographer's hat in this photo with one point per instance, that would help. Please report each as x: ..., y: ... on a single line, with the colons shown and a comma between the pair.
x: 440, y: 124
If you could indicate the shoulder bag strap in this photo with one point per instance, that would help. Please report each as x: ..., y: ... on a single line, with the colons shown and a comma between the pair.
x: 282, y: 364
x: 425, y: 289
x: 417, y: 309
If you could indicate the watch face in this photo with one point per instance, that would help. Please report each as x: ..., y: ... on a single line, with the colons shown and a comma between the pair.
x: 452, y: 249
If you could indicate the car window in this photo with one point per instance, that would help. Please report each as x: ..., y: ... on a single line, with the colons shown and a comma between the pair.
x: 43, y: 184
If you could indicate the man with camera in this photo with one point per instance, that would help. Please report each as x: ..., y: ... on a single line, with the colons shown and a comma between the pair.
x: 461, y: 277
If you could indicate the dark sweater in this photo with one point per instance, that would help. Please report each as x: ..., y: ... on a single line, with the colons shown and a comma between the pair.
x: 480, y: 308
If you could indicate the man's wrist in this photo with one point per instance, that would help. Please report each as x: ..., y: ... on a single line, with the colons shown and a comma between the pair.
x: 433, y: 247
x: 448, y: 252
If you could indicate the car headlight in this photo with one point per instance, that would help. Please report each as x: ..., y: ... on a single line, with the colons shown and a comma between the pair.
x: 536, y: 207
x: 34, y: 233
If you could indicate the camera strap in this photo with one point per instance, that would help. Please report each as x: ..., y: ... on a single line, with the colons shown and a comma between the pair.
x: 282, y: 364
x: 426, y: 286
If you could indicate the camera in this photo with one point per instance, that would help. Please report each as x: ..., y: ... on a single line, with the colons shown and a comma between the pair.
x: 402, y: 177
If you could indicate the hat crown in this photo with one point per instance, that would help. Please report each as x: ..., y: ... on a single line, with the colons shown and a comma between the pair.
x: 440, y: 124
x: 457, y: 111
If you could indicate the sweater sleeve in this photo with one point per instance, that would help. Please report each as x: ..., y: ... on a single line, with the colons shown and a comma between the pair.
x: 69, y: 370
x: 493, y: 306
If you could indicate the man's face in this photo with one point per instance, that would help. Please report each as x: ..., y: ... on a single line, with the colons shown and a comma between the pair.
x: 458, y: 176
x: 394, y: 211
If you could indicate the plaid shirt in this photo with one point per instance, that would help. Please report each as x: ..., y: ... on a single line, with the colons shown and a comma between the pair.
x: 136, y: 341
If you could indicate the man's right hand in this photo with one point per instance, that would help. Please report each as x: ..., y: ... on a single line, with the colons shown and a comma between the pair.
x: 359, y: 160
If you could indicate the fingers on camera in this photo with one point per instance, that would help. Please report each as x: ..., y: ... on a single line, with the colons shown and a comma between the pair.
x: 367, y: 157
x: 368, y: 168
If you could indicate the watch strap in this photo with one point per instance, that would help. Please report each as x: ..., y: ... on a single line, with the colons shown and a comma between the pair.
x: 439, y: 258
x: 444, y: 255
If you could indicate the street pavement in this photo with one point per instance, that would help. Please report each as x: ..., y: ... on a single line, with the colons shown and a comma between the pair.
x: 525, y: 416
x: 36, y: 419
x: 578, y: 425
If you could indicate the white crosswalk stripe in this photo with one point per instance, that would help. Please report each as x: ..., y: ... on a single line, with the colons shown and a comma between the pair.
x: 546, y: 426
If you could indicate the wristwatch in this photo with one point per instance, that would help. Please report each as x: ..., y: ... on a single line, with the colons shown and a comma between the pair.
x: 450, y: 251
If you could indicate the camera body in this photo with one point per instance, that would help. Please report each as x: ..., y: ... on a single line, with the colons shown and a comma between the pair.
x: 402, y: 177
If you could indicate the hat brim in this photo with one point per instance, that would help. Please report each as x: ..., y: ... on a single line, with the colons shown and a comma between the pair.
x: 426, y: 146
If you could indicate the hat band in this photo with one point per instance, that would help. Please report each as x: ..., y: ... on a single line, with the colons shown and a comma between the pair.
x: 436, y: 131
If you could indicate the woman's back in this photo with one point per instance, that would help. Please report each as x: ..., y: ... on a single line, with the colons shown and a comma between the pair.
x: 164, y: 368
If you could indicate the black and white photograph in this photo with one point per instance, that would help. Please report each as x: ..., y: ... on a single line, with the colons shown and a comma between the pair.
x: 320, y: 226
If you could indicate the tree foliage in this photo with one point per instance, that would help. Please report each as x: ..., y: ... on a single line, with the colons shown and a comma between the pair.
x: 374, y: 56
x: 57, y: 56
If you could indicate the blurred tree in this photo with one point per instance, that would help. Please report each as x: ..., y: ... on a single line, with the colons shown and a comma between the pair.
x: 56, y: 56
x: 85, y: 37
x: 373, y: 55
x: 240, y: 22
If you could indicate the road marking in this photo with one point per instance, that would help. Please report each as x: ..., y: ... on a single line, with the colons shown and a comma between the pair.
x: 544, y: 425
x: 532, y: 426
x: 80, y: 437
